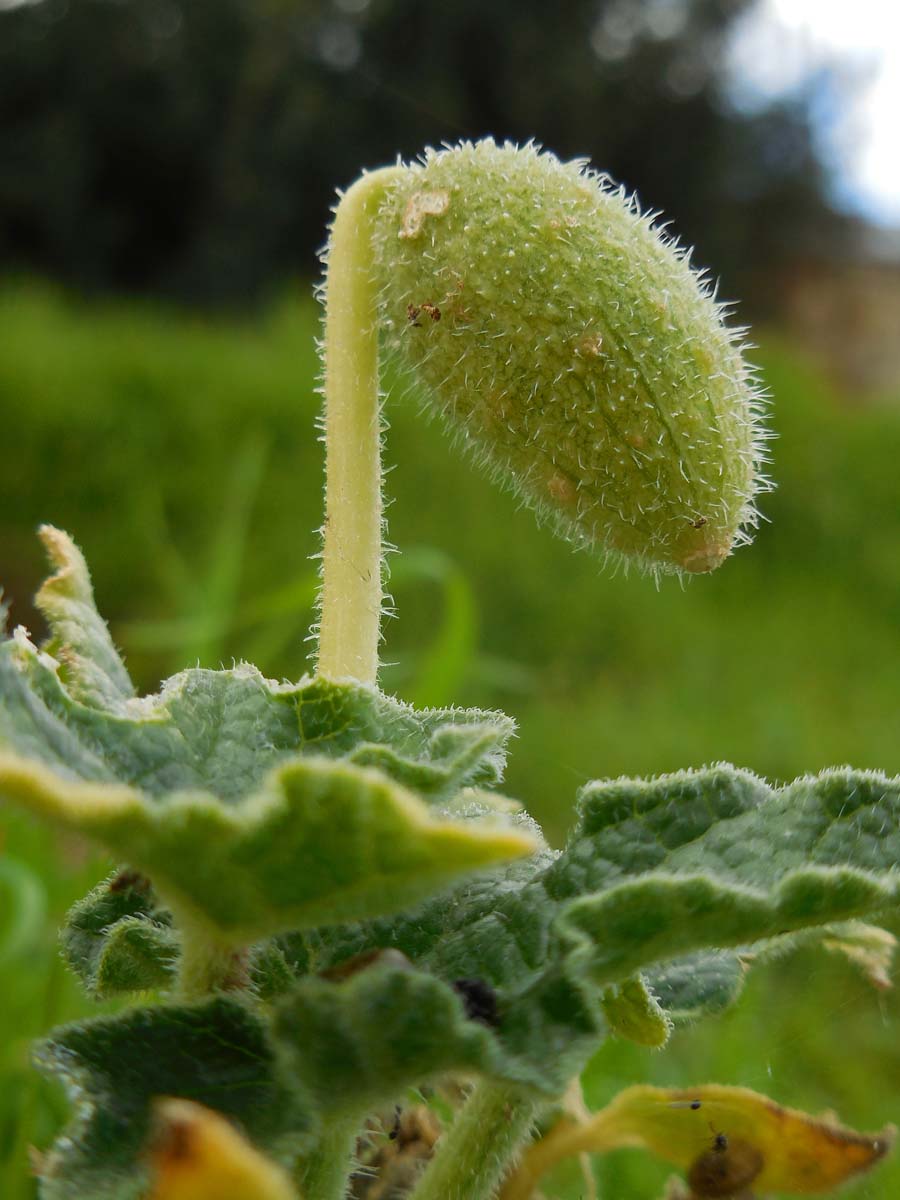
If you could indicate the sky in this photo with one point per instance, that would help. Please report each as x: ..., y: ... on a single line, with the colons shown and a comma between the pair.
x: 850, y: 50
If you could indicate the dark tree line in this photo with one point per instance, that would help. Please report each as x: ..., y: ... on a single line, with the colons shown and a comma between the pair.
x: 191, y: 148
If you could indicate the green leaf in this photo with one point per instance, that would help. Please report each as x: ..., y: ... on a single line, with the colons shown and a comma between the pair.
x: 496, y: 928
x: 716, y: 858
x: 333, y: 1049
x: 634, y: 1013
x: 217, y: 1053
x: 657, y: 877
x: 319, y: 840
x: 117, y: 939
x: 94, y: 672
x: 357, y: 1044
x: 254, y: 806
x: 72, y: 707
x: 698, y: 985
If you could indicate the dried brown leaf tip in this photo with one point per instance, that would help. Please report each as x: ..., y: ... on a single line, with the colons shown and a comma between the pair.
x: 732, y: 1143
x: 197, y: 1155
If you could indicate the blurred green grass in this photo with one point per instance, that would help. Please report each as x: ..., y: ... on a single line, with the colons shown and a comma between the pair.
x: 181, y: 454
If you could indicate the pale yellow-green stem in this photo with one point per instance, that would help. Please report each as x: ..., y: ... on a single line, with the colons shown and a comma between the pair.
x: 351, y: 597
x: 207, y: 962
x: 474, y: 1154
x: 323, y: 1172
x: 563, y: 1140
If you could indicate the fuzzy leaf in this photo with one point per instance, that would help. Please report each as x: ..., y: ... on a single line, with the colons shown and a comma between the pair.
x: 656, y: 876
x: 358, y: 1043
x: 634, y: 1013
x: 118, y: 940
x: 717, y: 858
x: 318, y: 840
x: 335, y: 1048
x: 94, y: 672
x: 217, y: 1054
x: 72, y: 707
x: 255, y: 806
x: 699, y: 985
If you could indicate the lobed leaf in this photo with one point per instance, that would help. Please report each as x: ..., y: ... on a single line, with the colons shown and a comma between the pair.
x: 357, y: 1044
x: 217, y: 1054
x: 254, y: 806
x: 319, y: 840
x: 118, y: 939
x: 657, y: 877
x: 333, y: 1049
x: 716, y: 858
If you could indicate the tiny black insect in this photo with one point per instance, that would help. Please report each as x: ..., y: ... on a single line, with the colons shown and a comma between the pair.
x: 720, y: 1140
x: 480, y: 1000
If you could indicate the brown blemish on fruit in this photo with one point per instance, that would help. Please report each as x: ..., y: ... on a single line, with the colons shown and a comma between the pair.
x: 567, y: 221
x: 705, y: 557
x: 562, y: 489
x: 419, y: 206
x: 590, y: 346
x: 414, y: 311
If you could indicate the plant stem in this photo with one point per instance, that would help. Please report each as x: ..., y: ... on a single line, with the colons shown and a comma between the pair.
x: 565, y: 1139
x: 206, y: 964
x: 474, y: 1154
x: 323, y: 1173
x: 351, y: 551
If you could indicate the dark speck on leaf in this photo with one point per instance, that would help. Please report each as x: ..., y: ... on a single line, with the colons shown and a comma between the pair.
x: 480, y: 1000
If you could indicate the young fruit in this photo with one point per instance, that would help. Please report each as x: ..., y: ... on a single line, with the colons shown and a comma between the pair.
x: 572, y: 349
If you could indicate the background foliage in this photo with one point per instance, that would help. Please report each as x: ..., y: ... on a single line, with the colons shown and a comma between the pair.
x: 192, y: 147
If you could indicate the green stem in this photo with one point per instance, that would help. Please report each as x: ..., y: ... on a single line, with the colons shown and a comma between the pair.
x: 207, y: 964
x: 474, y: 1155
x: 351, y: 550
x: 323, y: 1173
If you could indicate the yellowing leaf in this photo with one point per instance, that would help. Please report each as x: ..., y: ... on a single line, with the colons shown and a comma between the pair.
x: 731, y: 1141
x: 198, y: 1155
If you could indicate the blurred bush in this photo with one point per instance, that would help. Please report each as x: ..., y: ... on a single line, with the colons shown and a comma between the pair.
x: 181, y: 454
x: 191, y: 147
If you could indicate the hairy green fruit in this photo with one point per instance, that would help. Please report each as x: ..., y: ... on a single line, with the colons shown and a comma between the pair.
x: 571, y: 347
